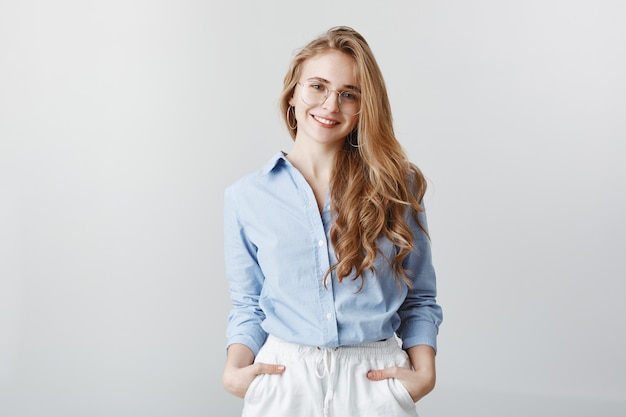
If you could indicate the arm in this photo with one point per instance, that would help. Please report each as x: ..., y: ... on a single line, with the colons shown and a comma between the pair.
x: 422, y: 359
x: 244, y: 332
x: 245, y: 279
x: 419, y: 313
x: 421, y: 316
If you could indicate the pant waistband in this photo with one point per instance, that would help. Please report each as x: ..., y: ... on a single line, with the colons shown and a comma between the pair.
x: 369, y: 350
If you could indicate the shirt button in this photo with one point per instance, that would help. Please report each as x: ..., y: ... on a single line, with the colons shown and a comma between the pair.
x: 320, y: 243
x: 329, y: 316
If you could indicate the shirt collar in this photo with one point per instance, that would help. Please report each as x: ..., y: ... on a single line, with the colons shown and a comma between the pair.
x: 273, y: 162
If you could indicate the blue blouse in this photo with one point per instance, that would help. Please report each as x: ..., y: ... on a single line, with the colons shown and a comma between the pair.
x: 277, y: 250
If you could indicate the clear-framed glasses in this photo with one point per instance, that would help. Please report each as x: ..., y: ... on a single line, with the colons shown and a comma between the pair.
x: 315, y: 92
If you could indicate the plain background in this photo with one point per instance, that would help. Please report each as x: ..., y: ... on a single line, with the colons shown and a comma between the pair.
x: 121, y: 123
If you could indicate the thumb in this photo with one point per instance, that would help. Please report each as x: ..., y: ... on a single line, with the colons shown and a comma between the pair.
x: 378, y: 374
x: 266, y: 368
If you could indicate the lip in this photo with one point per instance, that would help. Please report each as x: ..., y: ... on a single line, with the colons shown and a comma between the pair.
x: 325, y: 122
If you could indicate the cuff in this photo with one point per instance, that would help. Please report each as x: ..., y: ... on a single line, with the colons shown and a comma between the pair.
x: 419, y: 332
x: 253, y: 342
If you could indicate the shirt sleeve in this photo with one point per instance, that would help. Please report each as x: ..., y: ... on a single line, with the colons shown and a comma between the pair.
x: 245, y: 280
x: 419, y: 313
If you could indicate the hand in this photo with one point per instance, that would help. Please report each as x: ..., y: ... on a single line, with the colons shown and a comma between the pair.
x: 237, y: 380
x: 238, y: 374
x: 418, y: 381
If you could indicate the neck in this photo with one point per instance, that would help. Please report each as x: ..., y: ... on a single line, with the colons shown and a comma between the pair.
x: 314, y: 162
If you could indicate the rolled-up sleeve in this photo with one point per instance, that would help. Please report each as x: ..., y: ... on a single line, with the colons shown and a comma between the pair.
x: 420, y: 314
x: 245, y: 279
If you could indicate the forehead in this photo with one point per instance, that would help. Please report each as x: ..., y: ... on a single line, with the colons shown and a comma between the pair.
x: 334, y: 66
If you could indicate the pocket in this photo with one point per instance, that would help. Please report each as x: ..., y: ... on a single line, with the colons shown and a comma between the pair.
x: 399, y: 391
x: 251, y: 394
x: 401, y: 394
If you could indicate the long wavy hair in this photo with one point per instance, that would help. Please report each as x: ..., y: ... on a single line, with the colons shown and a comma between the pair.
x: 373, y: 183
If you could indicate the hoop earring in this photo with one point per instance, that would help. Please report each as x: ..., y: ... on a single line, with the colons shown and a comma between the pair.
x: 289, y: 110
x: 353, y: 139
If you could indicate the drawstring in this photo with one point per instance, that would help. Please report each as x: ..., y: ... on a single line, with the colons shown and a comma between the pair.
x: 329, y: 362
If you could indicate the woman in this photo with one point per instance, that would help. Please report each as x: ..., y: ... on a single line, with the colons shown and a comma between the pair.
x: 327, y: 253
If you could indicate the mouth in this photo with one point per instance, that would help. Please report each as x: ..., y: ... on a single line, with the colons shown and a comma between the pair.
x: 326, y: 122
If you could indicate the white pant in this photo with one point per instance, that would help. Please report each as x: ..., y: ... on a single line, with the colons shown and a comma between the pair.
x: 327, y: 382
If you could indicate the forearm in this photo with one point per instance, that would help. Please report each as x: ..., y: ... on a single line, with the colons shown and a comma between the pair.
x: 239, y: 355
x: 422, y: 359
x: 235, y: 379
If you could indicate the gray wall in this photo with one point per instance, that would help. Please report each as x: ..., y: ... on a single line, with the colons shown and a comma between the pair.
x: 121, y: 122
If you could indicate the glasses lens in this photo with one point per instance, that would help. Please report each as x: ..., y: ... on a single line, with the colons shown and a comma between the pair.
x: 315, y: 93
x: 350, y: 102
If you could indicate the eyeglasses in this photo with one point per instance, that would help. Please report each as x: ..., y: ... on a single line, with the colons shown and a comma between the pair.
x: 315, y: 92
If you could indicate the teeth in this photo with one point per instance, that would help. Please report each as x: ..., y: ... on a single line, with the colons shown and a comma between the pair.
x: 325, y: 121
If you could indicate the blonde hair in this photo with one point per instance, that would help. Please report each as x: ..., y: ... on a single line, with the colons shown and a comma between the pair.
x: 373, y: 182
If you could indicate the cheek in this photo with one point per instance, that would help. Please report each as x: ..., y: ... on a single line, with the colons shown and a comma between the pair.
x: 354, y: 123
x: 299, y: 112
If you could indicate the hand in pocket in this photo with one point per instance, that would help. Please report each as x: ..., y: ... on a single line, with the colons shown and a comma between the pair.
x: 238, y: 380
x: 417, y: 383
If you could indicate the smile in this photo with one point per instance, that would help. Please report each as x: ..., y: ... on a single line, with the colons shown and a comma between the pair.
x: 325, y: 121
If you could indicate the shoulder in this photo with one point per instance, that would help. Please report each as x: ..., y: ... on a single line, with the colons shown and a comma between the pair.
x: 256, y: 180
x: 415, y: 182
x: 259, y: 174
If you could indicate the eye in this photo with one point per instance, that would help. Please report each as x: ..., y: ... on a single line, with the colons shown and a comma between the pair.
x: 350, y: 96
x: 317, y: 86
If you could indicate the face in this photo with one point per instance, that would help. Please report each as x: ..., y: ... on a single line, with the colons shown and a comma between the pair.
x: 323, y: 122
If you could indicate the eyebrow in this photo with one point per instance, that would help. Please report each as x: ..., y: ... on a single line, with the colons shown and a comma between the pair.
x: 345, y: 87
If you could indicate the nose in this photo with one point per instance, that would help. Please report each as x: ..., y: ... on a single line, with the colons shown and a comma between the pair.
x: 331, y: 102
